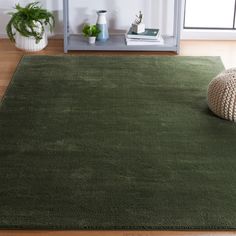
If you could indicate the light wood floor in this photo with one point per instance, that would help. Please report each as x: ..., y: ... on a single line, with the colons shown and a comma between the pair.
x: 9, y: 58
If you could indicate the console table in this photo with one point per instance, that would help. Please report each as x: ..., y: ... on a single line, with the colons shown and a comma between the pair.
x: 117, y: 42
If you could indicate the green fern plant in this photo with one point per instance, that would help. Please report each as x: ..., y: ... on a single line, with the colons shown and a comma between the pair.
x: 91, y: 31
x: 26, y: 20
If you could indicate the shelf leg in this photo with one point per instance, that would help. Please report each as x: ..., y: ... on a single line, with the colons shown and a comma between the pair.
x: 66, y: 24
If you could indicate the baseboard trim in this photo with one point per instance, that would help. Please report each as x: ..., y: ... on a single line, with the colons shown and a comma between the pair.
x: 187, y: 34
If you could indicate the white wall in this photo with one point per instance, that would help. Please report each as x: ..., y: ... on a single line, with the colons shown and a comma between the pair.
x: 121, y: 13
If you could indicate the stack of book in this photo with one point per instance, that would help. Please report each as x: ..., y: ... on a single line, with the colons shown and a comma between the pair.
x: 149, y: 37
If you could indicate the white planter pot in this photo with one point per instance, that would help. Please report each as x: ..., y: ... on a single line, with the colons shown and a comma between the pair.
x: 91, y: 40
x: 29, y: 43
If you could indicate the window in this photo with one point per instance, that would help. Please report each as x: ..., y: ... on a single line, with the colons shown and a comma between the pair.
x: 210, y: 14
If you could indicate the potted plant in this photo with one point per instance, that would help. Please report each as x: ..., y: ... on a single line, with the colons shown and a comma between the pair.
x: 27, y: 26
x: 91, y: 31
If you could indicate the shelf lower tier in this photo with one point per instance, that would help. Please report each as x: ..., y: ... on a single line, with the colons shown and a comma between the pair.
x: 117, y: 43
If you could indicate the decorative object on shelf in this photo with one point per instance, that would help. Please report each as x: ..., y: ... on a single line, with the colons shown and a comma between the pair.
x: 144, y: 42
x: 91, y: 40
x: 27, y: 26
x: 147, y: 38
x: 151, y: 34
x: 102, y: 26
x: 138, y: 26
x: 222, y: 95
x: 91, y: 31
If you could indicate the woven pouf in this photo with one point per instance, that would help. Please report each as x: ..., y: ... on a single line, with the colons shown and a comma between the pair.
x: 222, y: 95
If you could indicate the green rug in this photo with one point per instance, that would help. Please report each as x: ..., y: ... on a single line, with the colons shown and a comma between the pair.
x: 115, y: 143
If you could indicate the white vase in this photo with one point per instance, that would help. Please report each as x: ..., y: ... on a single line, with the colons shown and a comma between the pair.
x: 29, y: 43
x: 102, y: 26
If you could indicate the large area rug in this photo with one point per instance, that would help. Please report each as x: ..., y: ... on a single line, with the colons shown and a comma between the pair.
x: 115, y: 143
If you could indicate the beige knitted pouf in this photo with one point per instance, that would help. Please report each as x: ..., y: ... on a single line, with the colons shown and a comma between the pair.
x: 222, y: 95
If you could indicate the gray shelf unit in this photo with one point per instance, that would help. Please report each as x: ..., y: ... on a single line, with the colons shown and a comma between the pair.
x: 117, y: 42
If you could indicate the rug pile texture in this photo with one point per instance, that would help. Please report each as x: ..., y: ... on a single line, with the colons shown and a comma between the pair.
x: 115, y: 143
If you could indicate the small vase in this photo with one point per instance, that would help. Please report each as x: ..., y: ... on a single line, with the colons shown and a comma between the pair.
x: 102, y: 26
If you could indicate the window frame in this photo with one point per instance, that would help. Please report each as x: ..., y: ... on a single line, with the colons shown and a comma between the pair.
x: 209, y: 28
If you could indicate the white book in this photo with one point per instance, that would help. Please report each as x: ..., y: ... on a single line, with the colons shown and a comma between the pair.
x: 140, y: 42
